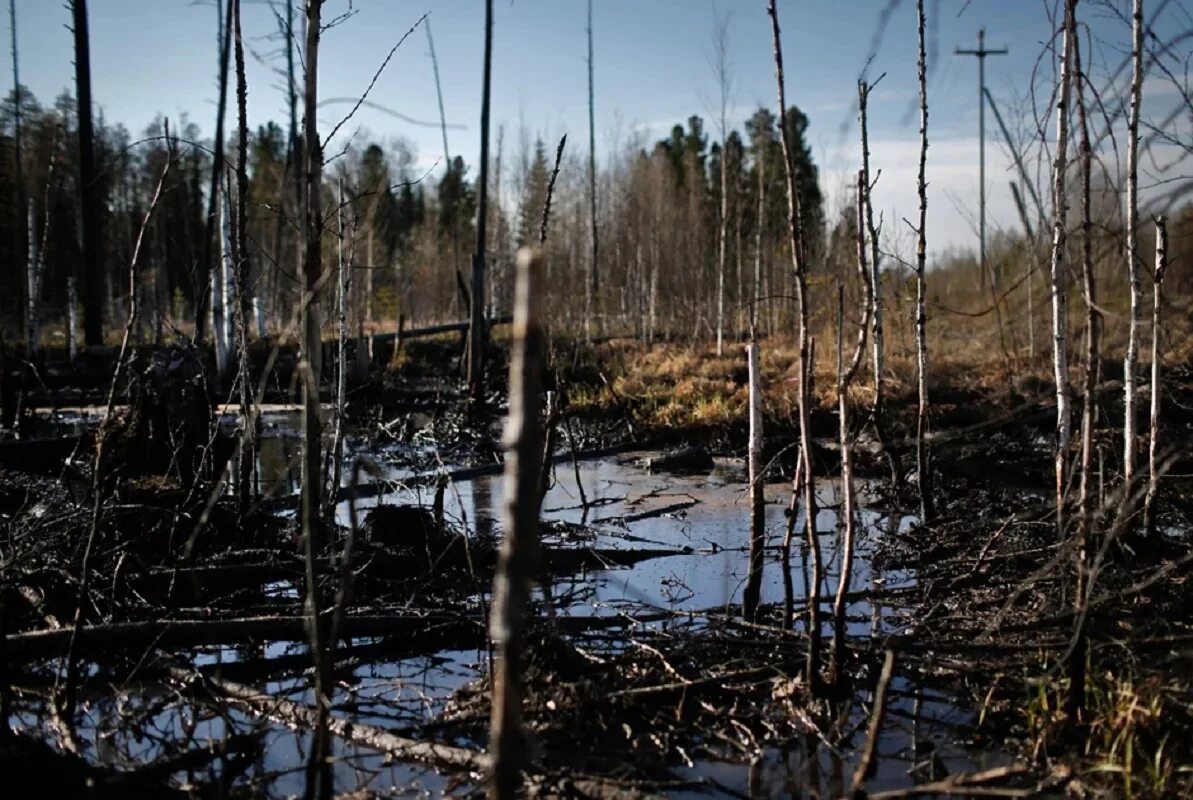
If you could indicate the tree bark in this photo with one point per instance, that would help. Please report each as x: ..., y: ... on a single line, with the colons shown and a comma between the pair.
x: 1076, y: 698
x: 91, y: 218
x: 847, y: 524
x: 799, y: 268
x: 318, y: 775
x: 1059, y: 273
x: 203, y: 277
x: 757, y: 508
x: 519, y: 548
x: 477, y: 334
x: 1132, y: 355
x: 242, y: 266
x: 1153, y: 477
x: 923, y: 467
x: 594, y: 279
x: 29, y: 245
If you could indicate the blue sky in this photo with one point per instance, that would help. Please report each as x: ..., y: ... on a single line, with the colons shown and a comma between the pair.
x: 653, y: 68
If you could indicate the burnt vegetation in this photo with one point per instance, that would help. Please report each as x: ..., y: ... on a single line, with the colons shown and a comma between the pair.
x: 324, y: 473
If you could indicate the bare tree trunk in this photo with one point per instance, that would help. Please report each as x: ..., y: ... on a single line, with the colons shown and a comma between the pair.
x: 756, y: 295
x: 1153, y: 477
x: 874, y: 281
x: 72, y: 317
x: 519, y: 548
x: 847, y: 544
x: 318, y: 773
x: 203, y: 277
x: 91, y: 218
x: 477, y: 335
x: 757, y: 485
x: 30, y: 244
x: 344, y: 284
x: 219, y: 311
x: 1060, y: 316
x: 594, y: 279
x: 798, y: 257
x: 724, y: 80
x: 1132, y: 357
x: 32, y: 289
x: 242, y: 267
x: 1076, y: 698
x: 923, y: 467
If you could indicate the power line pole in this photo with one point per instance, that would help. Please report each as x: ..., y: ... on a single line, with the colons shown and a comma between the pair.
x: 981, y: 53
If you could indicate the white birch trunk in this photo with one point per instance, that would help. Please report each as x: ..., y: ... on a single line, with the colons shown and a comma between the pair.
x: 757, y: 507
x: 1060, y: 318
x: 1153, y: 477
x: 1132, y: 356
x: 33, y: 286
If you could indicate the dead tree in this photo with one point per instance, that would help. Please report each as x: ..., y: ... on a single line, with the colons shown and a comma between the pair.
x: 32, y: 287
x: 594, y: 277
x: 724, y: 77
x: 1089, y: 290
x: 756, y: 294
x: 476, y: 330
x: 922, y: 465
x: 847, y: 511
x: 91, y: 218
x: 873, y: 281
x: 1153, y: 476
x: 757, y: 507
x: 318, y: 776
x: 1059, y: 273
x: 203, y: 275
x: 242, y: 267
x: 343, y: 286
x: 1132, y: 356
x: 30, y: 298
x: 799, y: 267
x: 519, y: 548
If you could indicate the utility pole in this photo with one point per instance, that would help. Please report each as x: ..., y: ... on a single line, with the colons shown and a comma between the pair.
x: 981, y: 53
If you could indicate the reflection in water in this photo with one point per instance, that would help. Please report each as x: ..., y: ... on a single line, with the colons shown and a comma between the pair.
x: 704, y: 519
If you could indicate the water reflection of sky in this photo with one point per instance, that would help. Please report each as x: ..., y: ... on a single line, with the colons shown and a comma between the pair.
x: 706, y: 516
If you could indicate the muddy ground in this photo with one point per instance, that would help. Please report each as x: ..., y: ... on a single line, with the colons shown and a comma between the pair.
x: 643, y: 677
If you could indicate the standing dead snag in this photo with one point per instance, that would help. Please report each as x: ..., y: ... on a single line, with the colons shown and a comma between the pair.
x: 724, y: 78
x: 1060, y: 319
x: 318, y: 776
x: 1076, y: 699
x: 757, y: 508
x: 240, y: 264
x: 845, y: 377
x: 923, y: 468
x: 91, y: 219
x: 476, y: 326
x: 799, y: 266
x: 519, y: 548
x: 30, y: 244
x: 1092, y: 316
x: 1153, y: 477
x: 203, y: 274
x: 1132, y: 356
x: 594, y: 276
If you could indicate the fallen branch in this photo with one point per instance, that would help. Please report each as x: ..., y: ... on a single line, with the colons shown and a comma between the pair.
x: 298, y: 715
